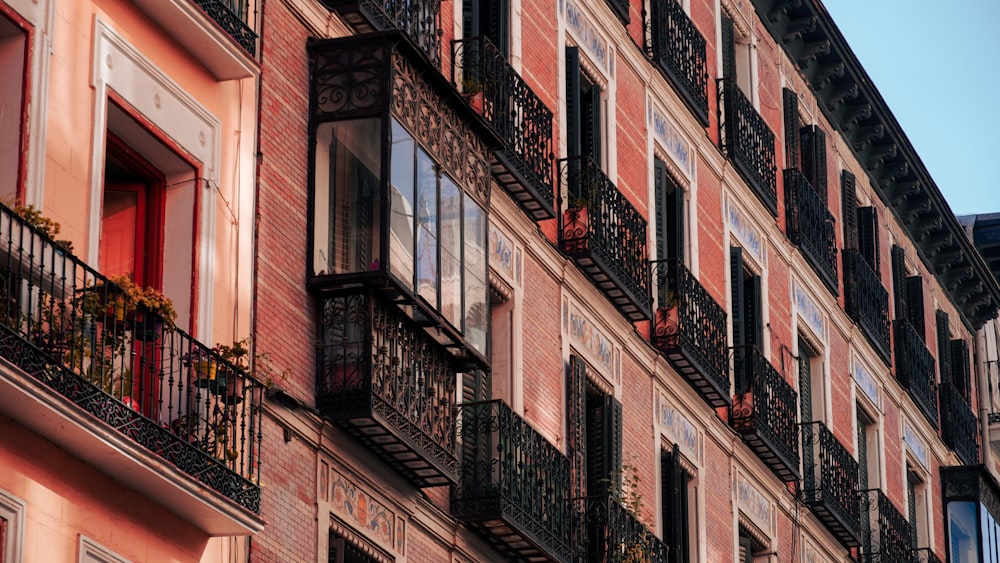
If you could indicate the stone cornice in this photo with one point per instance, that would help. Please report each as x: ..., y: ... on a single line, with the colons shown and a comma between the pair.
x: 850, y: 101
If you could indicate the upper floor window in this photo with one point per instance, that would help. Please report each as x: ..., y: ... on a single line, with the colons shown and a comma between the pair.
x: 869, y: 438
x: 489, y: 19
x: 916, y: 504
x: 747, y: 315
x: 679, y: 506
x: 812, y: 388
x: 909, y: 293
x: 736, y: 56
x: 670, y: 227
x: 584, y: 115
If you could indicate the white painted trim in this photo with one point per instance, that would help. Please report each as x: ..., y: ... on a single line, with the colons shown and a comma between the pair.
x: 12, y: 510
x: 119, y: 66
x: 93, y: 552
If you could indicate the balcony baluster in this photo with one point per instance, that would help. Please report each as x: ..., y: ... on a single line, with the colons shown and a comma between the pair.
x: 748, y: 142
x: 679, y: 50
x: 419, y: 20
x: 615, y: 535
x: 959, y: 427
x: 830, y: 483
x: 233, y: 16
x: 915, y: 369
x: 887, y: 534
x: 810, y: 226
x: 867, y: 302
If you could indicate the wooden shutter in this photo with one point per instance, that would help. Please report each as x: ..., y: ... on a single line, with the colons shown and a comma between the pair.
x: 754, y: 307
x: 862, y: 451
x: 848, y: 208
x: 868, y: 236
x: 911, y: 504
x: 577, y: 427
x: 915, y: 304
x: 814, y: 158
x: 613, y: 438
x: 591, y: 124
x: 470, y: 18
x: 944, y: 346
x: 496, y: 26
x: 738, y: 312
x: 337, y: 550
x: 899, y: 281
x: 790, y: 103
x: 728, y: 36
x: 673, y: 497
x: 805, y: 386
x: 604, y: 450
x: 669, y: 214
x: 960, y: 368
x: 572, y: 102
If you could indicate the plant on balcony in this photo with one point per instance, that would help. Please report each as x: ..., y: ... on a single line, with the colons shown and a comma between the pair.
x: 624, y: 489
x: 43, y: 224
x: 204, y: 368
x: 261, y: 367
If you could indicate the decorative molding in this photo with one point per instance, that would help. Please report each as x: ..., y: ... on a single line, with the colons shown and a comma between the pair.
x: 809, y: 312
x: 591, y: 341
x: 916, y: 445
x: 865, y: 381
x: 745, y: 232
x: 680, y: 151
x: 587, y: 37
x: 677, y: 428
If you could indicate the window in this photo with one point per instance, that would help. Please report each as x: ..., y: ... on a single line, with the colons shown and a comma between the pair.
x: 595, y: 428
x: 487, y: 18
x: 747, y: 317
x: 963, y: 533
x: 813, y: 143
x: 812, y: 388
x: 669, y: 214
x: 751, y: 549
x: 909, y: 293
x: 679, y: 506
x: 736, y: 56
x: 502, y: 371
x: 583, y: 111
x: 435, y: 242
x: 869, y: 469
x: 13, y: 128
x: 790, y: 106
x: 916, y: 503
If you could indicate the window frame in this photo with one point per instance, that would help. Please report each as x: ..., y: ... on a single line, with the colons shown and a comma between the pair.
x: 674, y: 467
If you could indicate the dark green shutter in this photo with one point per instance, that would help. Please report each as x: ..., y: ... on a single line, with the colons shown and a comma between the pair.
x: 660, y: 182
x: 868, y: 236
x: 862, y: 451
x: 572, y: 101
x: 728, y: 48
x: 814, y: 158
x: 915, y: 304
x: 944, y: 346
x: 898, y: 257
x: 911, y: 503
x: 470, y: 18
x: 754, y: 308
x: 673, y: 497
x: 591, y: 125
x: 848, y: 208
x: 336, y: 552
x: 805, y: 385
x: 496, y: 25
x: 790, y: 103
x: 737, y: 311
x: 576, y: 397
x: 613, y: 439
x: 960, y: 368
x: 604, y: 445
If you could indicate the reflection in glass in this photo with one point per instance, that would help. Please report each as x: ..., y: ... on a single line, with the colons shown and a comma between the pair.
x: 347, y: 211
x: 451, y: 252
x: 427, y: 228
x: 476, y: 305
x: 401, y: 217
x: 962, y: 532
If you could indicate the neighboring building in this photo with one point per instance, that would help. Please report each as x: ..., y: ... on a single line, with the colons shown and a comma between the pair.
x: 133, y: 125
x: 564, y: 259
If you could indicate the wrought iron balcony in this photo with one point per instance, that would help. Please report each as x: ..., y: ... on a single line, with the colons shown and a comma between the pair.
x: 830, y: 483
x: 959, y: 427
x: 748, y: 142
x: 383, y: 379
x: 112, y: 362
x: 867, y: 302
x: 690, y: 330
x: 419, y: 20
x: 887, y: 536
x: 810, y: 226
x: 924, y: 555
x: 233, y: 16
x: 606, y: 236
x: 615, y: 535
x: 679, y: 50
x: 513, y: 484
x: 765, y: 415
x: 523, y: 166
x: 915, y: 369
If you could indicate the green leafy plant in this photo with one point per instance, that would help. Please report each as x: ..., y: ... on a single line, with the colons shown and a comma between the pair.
x: 148, y: 298
x: 260, y: 366
x: 33, y: 216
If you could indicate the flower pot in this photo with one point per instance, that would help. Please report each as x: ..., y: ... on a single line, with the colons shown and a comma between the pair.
x: 234, y: 389
x: 207, y: 375
x: 148, y: 326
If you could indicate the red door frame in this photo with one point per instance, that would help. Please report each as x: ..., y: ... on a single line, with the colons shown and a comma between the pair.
x: 29, y: 33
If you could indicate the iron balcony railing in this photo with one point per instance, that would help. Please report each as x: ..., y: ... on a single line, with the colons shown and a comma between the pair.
x: 867, y: 302
x: 234, y: 17
x: 748, y: 142
x: 418, y: 19
x: 690, y: 330
x: 387, y: 382
x: 887, y: 536
x: 830, y: 483
x: 679, y: 50
x: 915, y: 369
x: 615, y: 535
x: 606, y: 236
x: 764, y: 414
x: 924, y: 555
x: 517, y: 115
x: 82, y: 335
x: 958, y: 424
x: 513, y: 484
x: 810, y: 226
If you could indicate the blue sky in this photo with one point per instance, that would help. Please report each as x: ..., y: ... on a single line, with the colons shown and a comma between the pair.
x: 937, y: 65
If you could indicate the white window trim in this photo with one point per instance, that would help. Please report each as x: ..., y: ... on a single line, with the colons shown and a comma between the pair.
x: 911, y: 465
x: 862, y: 402
x: 12, y: 510
x: 93, y: 552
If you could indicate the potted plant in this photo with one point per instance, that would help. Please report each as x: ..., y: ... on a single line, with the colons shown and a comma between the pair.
x: 32, y: 216
x: 152, y: 311
x: 204, y: 368
x: 261, y: 367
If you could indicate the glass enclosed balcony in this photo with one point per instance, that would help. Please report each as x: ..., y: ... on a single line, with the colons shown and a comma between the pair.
x: 523, y: 165
x: 419, y: 20
x: 616, y: 535
x: 678, y: 48
x: 959, y: 426
x: 513, y: 484
x: 810, y: 226
x: 384, y: 380
x: 915, y: 369
x: 112, y: 375
x: 748, y: 142
x: 830, y: 483
x: 690, y: 330
x: 887, y: 536
x: 764, y: 414
x: 867, y: 302
x: 606, y: 236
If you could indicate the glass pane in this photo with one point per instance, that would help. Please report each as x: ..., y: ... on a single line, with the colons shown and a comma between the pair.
x: 476, y: 305
x: 401, y: 223
x: 451, y: 252
x: 427, y: 229
x: 963, y: 534
x: 347, y: 205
